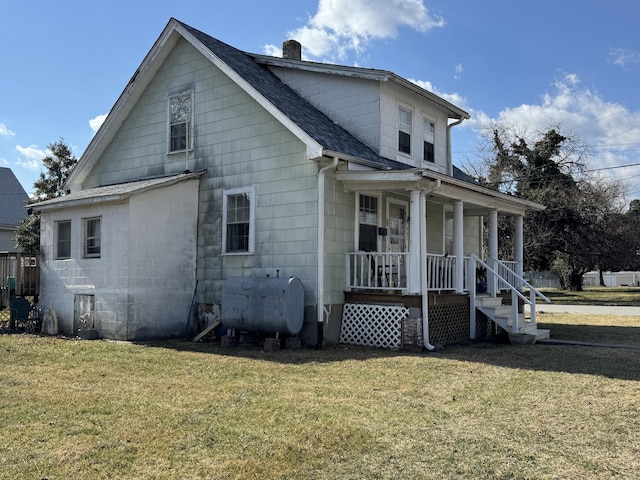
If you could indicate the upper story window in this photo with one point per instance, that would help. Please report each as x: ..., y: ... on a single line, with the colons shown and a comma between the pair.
x: 429, y: 140
x: 63, y: 239
x: 91, y: 237
x: 404, y: 130
x: 238, y: 207
x: 180, y: 122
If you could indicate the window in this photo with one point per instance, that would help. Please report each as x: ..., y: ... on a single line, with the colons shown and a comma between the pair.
x: 429, y: 138
x: 180, y: 122
x: 63, y: 239
x: 368, y: 220
x: 238, y: 219
x: 404, y: 130
x: 92, y: 237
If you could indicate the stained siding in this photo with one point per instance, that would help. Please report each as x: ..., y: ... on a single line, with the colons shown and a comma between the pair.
x: 143, y: 281
x: 240, y: 144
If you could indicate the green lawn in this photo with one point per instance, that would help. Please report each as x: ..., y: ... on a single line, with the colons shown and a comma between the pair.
x: 178, y: 410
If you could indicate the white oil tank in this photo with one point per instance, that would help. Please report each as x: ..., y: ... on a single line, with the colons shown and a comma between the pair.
x: 263, y: 304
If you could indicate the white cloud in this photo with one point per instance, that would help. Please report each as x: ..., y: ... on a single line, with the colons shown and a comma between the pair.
x: 454, y: 98
x: 343, y: 26
x: 623, y: 57
x: 611, y: 129
x: 96, y: 122
x: 5, y: 131
x: 31, y: 156
x: 457, y: 71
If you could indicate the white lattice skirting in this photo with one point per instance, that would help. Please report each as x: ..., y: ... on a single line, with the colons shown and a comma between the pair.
x: 372, y: 325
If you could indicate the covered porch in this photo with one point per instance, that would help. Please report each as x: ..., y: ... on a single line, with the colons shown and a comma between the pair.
x: 462, y: 284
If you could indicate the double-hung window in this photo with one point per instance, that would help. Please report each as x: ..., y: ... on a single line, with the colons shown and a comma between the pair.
x: 429, y: 139
x: 63, y: 239
x: 238, y: 219
x: 404, y: 130
x: 92, y: 237
x: 181, y: 122
x: 368, y: 221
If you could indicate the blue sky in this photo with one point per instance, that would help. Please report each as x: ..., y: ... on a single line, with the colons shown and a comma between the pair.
x: 533, y: 64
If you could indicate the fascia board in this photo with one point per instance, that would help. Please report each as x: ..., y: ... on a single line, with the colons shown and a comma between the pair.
x: 124, y: 104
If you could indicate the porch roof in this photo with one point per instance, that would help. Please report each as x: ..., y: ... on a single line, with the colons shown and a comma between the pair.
x: 478, y: 200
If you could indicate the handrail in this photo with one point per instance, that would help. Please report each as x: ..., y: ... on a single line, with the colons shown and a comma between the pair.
x: 498, y: 276
x: 515, y: 293
x: 524, y: 282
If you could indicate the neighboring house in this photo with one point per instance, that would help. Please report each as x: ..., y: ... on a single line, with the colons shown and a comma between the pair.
x: 216, y: 163
x: 13, y: 201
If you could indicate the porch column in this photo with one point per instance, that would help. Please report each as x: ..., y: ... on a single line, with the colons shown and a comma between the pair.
x: 413, y: 263
x: 492, y: 282
x: 458, y: 244
x: 518, y: 247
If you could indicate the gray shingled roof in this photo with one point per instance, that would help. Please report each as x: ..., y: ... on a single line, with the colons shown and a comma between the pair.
x: 13, y: 198
x: 320, y: 127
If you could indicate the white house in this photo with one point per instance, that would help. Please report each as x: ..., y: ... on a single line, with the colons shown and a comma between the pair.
x: 216, y: 163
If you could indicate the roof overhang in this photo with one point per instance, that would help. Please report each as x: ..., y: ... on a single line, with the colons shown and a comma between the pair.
x: 478, y: 200
x: 362, y: 73
x: 111, y: 193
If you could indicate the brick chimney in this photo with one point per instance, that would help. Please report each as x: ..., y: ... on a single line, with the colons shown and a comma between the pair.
x: 292, y: 50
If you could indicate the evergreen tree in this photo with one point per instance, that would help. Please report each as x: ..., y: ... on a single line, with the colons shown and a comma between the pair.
x: 49, y: 185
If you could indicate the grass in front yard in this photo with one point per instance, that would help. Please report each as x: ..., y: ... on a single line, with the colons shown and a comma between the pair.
x: 629, y: 296
x: 614, y: 329
x: 96, y: 409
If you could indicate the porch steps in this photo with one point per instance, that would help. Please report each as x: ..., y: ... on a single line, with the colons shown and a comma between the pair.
x: 502, y: 315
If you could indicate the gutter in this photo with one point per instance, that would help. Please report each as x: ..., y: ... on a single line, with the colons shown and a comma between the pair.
x: 449, y: 159
x: 423, y: 265
x: 320, y: 310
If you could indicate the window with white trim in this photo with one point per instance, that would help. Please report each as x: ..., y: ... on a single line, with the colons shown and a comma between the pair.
x: 180, y: 122
x: 429, y: 139
x: 92, y: 237
x: 63, y: 239
x: 238, y: 213
x: 368, y: 224
x: 404, y: 130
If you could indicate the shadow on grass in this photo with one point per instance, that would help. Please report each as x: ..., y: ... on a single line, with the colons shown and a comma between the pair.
x: 594, y: 333
x: 617, y: 363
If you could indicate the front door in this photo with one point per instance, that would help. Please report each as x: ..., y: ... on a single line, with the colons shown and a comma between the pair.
x: 397, y: 228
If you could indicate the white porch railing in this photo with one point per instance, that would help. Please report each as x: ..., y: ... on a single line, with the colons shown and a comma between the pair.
x: 376, y: 271
x: 514, y: 287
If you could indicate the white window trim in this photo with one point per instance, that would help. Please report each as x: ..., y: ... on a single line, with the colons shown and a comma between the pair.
x: 251, y: 191
x: 190, y: 123
x: 428, y: 119
x: 57, y: 239
x: 85, y: 237
x: 378, y: 195
x: 411, y: 130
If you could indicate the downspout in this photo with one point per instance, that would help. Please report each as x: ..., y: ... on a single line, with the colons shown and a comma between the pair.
x: 423, y: 265
x: 320, y: 292
x: 449, y: 159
